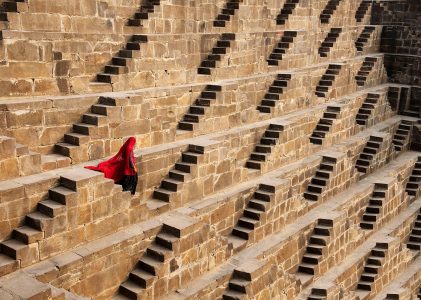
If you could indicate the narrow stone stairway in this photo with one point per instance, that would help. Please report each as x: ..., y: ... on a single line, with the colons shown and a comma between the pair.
x: 94, y: 125
x: 329, y: 41
x: 365, y: 112
x: 328, y: 11
x: 324, y: 126
x: 402, y: 135
x: 48, y: 219
x: 282, y: 47
x: 414, y: 241
x: 320, y: 179
x: 327, y: 80
x: 263, y: 150
x: 182, y: 171
x: 414, y: 181
x: 365, y: 70
x: 317, y: 243
x: 123, y: 62
x: 370, y: 150
x: 275, y: 91
x: 197, y: 111
x: 144, y: 12
x: 220, y: 49
x: 372, y: 267
x: 374, y: 207
x: 252, y: 215
x: 231, y: 6
x: 155, y: 259
x: 362, y: 10
x: 237, y: 286
x: 286, y: 11
x: 364, y: 38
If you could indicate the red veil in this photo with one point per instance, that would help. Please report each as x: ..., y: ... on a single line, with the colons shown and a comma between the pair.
x: 119, y: 165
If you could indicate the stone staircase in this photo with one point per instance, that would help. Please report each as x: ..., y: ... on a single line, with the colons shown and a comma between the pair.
x: 324, y: 125
x: 94, y: 125
x: 329, y: 41
x: 365, y: 112
x: 364, y: 37
x: 123, y: 62
x: 263, y: 150
x: 197, y: 111
x: 176, y: 177
x: 413, y: 185
x: 365, y: 70
x: 277, y: 88
x: 12, y: 6
x: 221, y: 48
x: 402, y: 135
x: 317, y: 243
x: 49, y: 218
x: 327, y: 80
x: 231, y: 6
x: 157, y: 261
x: 374, y: 207
x: 282, y: 47
x: 253, y: 215
x: 286, y: 11
x: 362, y: 10
x: 144, y: 12
x: 370, y: 150
x: 372, y: 267
x: 237, y: 286
x: 320, y: 180
x: 317, y: 294
x: 328, y: 11
x: 414, y: 241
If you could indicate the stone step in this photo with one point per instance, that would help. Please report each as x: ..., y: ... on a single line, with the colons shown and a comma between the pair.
x: 13, y: 248
x: 159, y: 252
x: 315, y: 249
x: 130, y: 289
x: 242, y: 232
x: 141, y: 278
x: 62, y: 195
x: 311, y: 196
x: 186, y: 167
x: 27, y: 235
x: 258, y: 204
x: 234, y: 295
x: 7, y: 265
x: 179, y: 175
x: 238, y: 284
x: 322, y: 230
x: 149, y: 264
x: 171, y: 184
x: 312, y: 259
x: 248, y: 222
x: 252, y: 213
x: 263, y: 195
x: 166, y: 240
x: 76, y: 139
x: 162, y: 194
x: 321, y: 240
x: 51, y: 208
x: 306, y: 268
x: 95, y: 119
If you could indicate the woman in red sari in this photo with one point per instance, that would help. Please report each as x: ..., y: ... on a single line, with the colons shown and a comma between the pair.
x: 121, y: 168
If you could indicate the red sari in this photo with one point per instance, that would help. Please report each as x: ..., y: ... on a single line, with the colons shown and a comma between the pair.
x: 121, y: 167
